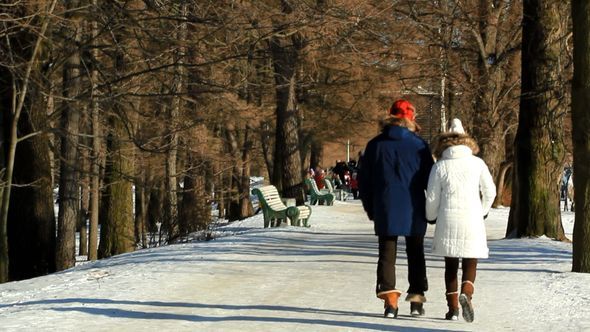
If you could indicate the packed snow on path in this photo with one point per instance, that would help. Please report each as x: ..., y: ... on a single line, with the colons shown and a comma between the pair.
x: 298, y: 279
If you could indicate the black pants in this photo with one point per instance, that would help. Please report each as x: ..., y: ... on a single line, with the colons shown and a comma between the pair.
x: 416, y: 264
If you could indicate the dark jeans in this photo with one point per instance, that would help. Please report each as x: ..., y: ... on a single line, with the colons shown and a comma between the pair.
x: 416, y: 264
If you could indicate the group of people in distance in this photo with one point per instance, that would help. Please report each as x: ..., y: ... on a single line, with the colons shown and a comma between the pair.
x: 403, y: 188
x: 343, y: 176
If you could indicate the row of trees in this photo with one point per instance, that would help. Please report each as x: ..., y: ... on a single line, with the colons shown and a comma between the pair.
x: 143, y: 113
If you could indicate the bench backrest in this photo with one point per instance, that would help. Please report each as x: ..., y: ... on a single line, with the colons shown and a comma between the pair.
x: 269, y: 196
x: 329, y: 185
x: 313, y: 187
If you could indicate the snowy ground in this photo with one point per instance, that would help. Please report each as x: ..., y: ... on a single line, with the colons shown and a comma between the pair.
x: 295, y: 279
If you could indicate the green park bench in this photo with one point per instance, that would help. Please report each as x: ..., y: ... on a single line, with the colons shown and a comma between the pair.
x: 340, y: 194
x: 316, y: 196
x: 275, y: 211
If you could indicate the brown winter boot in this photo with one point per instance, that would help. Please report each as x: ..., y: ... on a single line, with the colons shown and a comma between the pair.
x: 390, y: 297
x: 416, y: 304
x: 453, y: 304
x: 465, y: 300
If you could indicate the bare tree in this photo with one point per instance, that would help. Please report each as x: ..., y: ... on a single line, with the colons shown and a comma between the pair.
x: 539, y: 144
x: 581, y: 119
x: 20, y: 87
x: 69, y: 188
x: 96, y: 141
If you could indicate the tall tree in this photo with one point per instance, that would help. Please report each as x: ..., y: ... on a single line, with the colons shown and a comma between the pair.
x: 117, y: 234
x: 581, y: 134
x: 173, y: 122
x: 285, y: 48
x: 31, y: 225
x: 539, y: 144
x: 96, y: 141
x: 476, y: 51
x: 69, y: 192
x: 20, y: 70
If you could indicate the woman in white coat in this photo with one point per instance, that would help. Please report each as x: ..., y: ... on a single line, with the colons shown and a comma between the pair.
x: 459, y: 196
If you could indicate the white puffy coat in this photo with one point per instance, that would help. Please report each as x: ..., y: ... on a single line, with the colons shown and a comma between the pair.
x: 453, y: 199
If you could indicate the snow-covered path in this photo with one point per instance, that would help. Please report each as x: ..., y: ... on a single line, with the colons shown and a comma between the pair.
x: 295, y: 279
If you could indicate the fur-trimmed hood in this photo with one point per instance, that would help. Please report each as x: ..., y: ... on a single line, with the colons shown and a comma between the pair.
x: 446, y: 140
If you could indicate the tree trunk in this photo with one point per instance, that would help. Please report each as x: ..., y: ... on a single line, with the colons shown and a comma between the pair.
x: 495, y: 61
x: 117, y: 234
x: 18, y: 93
x: 539, y: 146
x: 141, y: 207
x: 195, y: 210
x: 488, y: 128
x: 581, y: 134
x: 500, y: 184
x: 246, y: 209
x: 220, y: 192
x: 287, y: 175
x: 232, y: 146
x: 239, y: 206
x: 69, y: 191
x: 31, y: 226
x: 266, y: 141
x: 154, y: 210
x: 171, y: 199
x: 316, y: 157
x: 96, y: 148
x: 85, y: 201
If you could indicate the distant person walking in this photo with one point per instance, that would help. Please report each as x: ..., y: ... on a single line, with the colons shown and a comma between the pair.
x: 340, y: 168
x: 392, y: 179
x: 354, y: 185
x: 453, y: 199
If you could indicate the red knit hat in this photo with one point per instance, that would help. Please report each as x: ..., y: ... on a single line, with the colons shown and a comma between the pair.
x: 403, y: 109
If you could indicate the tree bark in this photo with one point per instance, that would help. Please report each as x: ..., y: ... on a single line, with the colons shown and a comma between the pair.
x: 154, y: 210
x: 117, y: 234
x: 285, y: 52
x: 96, y: 147
x: 19, y: 89
x: 141, y: 206
x: 500, y: 184
x: 31, y: 226
x: 246, y: 209
x: 267, y: 144
x: 178, y: 85
x: 85, y: 200
x: 195, y: 210
x: 581, y: 134
x: 539, y: 145
x: 69, y: 192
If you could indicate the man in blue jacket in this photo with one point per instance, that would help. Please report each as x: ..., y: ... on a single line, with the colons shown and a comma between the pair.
x: 392, y: 180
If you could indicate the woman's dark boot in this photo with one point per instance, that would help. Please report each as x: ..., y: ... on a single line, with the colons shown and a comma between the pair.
x: 453, y: 304
x: 416, y: 304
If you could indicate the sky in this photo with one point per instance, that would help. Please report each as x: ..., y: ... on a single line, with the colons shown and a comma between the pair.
x: 288, y: 278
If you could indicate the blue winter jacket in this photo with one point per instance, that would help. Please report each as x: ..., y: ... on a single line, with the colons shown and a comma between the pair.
x: 392, y: 181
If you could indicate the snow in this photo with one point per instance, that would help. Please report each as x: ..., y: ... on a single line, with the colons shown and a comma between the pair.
x: 298, y: 279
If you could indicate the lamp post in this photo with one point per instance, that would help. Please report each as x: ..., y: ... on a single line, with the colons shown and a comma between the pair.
x: 347, y: 151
